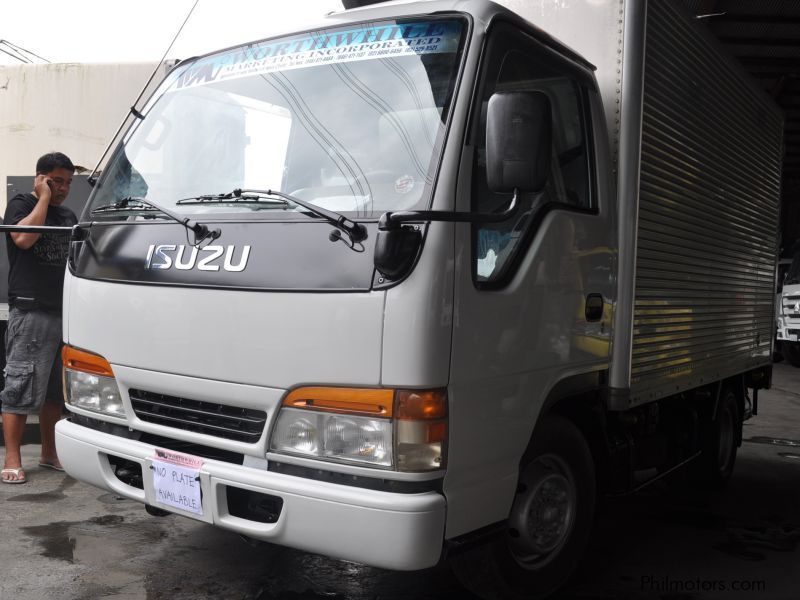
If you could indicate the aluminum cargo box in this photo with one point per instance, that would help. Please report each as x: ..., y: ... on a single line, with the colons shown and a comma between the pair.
x: 698, y: 149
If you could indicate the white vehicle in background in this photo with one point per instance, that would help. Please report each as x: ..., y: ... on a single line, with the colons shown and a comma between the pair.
x: 787, y: 309
x: 421, y: 281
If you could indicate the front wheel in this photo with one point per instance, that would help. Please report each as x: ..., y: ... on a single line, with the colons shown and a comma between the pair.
x: 549, y: 523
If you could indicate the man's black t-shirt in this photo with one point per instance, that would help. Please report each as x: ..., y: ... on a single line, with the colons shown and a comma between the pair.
x: 38, y: 273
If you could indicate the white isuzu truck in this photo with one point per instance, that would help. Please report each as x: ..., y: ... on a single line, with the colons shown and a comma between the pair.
x: 426, y: 279
x: 787, y: 309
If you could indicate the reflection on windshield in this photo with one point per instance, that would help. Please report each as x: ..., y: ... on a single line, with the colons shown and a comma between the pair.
x: 793, y: 274
x: 351, y: 120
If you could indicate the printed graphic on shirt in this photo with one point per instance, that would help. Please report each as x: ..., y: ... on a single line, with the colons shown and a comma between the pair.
x: 52, y: 249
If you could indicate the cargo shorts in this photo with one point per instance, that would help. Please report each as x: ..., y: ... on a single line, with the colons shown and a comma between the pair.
x: 33, y: 361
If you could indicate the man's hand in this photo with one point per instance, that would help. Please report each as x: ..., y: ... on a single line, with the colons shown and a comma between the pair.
x: 42, y: 188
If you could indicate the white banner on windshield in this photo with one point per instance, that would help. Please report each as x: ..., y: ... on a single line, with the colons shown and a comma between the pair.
x: 322, y: 48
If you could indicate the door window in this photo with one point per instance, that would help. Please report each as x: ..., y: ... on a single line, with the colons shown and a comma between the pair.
x: 516, y: 62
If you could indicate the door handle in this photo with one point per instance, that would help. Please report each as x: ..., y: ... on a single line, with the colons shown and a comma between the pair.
x: 594, y: 307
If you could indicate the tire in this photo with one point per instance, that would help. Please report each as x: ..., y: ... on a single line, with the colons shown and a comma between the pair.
x: 715, y: 465
x: 791, y: 352
x: 549, y: 524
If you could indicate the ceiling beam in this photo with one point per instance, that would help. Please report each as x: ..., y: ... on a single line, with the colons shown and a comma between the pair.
x: 760, y: 41
x: 774, y: 75
x: 772, y: 62
x: 732, y: 18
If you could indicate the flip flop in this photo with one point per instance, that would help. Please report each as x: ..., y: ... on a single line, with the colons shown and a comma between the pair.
x: 48, y: 465
x: 16, y: 473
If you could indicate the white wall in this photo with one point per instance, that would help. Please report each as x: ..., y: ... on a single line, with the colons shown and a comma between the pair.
x: 69, y: 107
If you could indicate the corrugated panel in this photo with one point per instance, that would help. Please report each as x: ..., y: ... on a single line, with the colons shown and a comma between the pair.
x: 708, y: 213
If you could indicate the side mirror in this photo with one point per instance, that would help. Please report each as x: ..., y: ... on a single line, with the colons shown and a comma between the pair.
x: 519, y: 132
x: 395, y: 251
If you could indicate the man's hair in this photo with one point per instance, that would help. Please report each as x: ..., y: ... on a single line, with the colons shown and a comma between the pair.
x: 52, y: 161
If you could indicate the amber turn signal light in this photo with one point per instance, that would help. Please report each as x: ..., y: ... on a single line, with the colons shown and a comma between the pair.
x: 80, y: 360
x: 354, y: 401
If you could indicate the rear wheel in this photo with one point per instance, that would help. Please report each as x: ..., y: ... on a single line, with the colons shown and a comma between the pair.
x: 715, y: 465
x: 549, y: 523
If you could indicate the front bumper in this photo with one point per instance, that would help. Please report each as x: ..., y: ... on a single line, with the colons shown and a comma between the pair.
x: 377, y: 528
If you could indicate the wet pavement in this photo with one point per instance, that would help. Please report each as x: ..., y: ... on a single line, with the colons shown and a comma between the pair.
x: 64, y: 539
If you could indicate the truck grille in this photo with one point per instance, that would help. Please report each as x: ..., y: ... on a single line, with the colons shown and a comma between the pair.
x: 228, y: 422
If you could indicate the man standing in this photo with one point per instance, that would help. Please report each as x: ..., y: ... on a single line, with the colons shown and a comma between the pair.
x: 33, y: 338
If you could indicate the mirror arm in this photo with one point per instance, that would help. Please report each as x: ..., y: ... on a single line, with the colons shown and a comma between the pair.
x: 393, y: 220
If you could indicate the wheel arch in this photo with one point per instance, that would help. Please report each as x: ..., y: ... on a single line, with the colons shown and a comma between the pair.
x: 738, y: 386
x: 494, y: 565
x: 580, y: 400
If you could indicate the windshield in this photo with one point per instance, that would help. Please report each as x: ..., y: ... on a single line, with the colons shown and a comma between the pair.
x: 793, y: 274
x: 350, y: 119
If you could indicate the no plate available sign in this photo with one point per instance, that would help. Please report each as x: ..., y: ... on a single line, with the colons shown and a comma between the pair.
x: 176, y: 480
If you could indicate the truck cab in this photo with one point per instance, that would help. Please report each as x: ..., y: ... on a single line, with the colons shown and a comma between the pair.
x: 367, y: 290
x: 327, y: 375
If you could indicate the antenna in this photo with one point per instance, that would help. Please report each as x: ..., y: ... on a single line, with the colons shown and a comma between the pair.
x: 13, y: 54
x: 21, y: 52
x: 133, y: 110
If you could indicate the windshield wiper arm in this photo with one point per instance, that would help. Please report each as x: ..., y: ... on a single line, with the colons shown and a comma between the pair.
x: 233, y: 198
x: 201, y: 232
x: 355, y: 231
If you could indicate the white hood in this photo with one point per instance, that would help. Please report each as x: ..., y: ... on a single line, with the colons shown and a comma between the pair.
x: 277, y: 340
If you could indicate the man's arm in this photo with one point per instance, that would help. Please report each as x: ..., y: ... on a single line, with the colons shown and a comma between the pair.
x: 41, y: 189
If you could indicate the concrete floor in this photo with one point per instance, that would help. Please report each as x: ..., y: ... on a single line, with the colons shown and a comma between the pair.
x: 63, y: 539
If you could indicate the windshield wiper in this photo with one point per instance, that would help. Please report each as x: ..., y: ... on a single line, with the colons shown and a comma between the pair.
x: 126, y: 204
x: 356, y: 232
x: 201, y: 232
x: 234, y: 198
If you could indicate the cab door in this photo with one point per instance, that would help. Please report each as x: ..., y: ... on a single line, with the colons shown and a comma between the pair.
x: 533, y: 294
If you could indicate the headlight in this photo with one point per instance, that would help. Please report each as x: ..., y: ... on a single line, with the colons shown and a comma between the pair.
x: 318, y: 434
x: 401, y: 429
x: 89, y: 383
